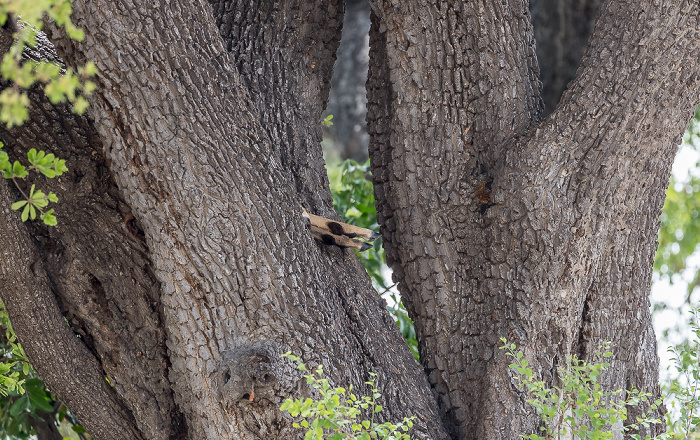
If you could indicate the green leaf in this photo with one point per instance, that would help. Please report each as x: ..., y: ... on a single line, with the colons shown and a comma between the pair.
x: 80, y: 105
x: 79, y: 429
x: 13, y: 107
x: 60, y: 166
x: 19, y: 204
x: 46, y: 71
x: 19, y: 406
x: 18, y: 170
x: 48, y: 218
x: 38, y: 397
x: 89, y: 87
x: 54, y: 93
x: 90, y: 69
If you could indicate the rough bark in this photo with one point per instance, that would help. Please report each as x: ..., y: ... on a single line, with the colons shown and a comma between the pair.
x: 216, y: 152
x: 98, y: 268
x: 561, y: 27
x: 26, y: 282
x: 545, y: 237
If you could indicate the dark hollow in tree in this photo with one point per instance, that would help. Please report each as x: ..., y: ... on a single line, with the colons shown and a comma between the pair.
x: 206, y: 127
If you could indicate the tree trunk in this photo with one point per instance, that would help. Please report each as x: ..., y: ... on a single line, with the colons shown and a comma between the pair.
x: 562, y: 29
x: 233, y: 171
x: 45, y: 427
x: 348, y: 97
x: 183, y: 264
x: 543, y: 236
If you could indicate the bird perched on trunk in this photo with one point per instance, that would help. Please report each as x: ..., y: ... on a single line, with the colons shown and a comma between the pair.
x: 338, y: 233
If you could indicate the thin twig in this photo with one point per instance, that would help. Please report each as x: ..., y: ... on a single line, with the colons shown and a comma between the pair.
x: 388, y: 289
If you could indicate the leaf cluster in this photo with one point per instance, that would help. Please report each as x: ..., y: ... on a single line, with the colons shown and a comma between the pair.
x: 580, y: 408
x: 337, y: 413
x: 46, y: 164
x: 683, y: 393
x: 23, y: 396
x: 14, y: 366
x: 60, y: 85
x: 679, y: 234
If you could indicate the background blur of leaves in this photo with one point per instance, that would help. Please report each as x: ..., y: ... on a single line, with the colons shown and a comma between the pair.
x: 353, y: 199
x: 676, y: 269
x: 680, y: 226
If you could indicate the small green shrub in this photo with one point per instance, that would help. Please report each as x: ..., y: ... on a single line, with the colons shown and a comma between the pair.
x: 46, y: 164
x: 337, y: 414
x: 580, y: 408
x: 683, y: 418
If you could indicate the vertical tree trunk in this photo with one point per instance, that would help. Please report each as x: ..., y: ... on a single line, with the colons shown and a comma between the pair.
x: 545, y: 237
x: 562, y: 29
x: 348, y: 98
x: 217, y: 180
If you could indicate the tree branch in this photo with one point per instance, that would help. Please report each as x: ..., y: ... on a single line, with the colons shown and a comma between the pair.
x: 57, y: 355
x: 99, y: 271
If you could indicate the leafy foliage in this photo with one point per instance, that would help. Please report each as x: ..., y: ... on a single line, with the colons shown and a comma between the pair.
x: 337, y: 413
x: 680, y: 229
x: 327, y: 121
x: 60, y: 85
x: 48, y: 165
x: 683, y: 395
x: 23, y: 396
x: 14, y: 366
x: 580, y: 407
x: 353, y: 199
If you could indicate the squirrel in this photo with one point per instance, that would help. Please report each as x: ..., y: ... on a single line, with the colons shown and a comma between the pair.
x: 338, y: 233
